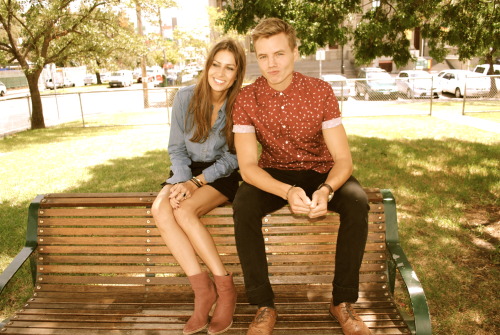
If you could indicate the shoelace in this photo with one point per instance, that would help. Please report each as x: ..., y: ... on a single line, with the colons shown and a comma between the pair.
x: 262, y: 315
x: 350, y: 311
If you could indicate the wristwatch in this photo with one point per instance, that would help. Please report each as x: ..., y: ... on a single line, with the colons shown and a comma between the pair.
x: 330, y: 196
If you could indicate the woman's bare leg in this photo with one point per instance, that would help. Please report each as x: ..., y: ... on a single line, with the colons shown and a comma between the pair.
x: 183, y: 232
x: 174, y: 237
x: 188, y: 218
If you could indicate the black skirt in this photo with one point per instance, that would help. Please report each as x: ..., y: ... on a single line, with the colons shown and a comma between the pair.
x: 225, y: 185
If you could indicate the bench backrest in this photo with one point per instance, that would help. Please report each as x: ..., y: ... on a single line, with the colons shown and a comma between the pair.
x: 112, y: 240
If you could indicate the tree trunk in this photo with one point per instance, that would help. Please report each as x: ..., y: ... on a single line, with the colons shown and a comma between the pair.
x: 37, y: 120
x: 493, y: 86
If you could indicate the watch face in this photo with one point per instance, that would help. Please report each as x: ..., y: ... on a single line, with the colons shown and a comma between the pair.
x: 332, y: 192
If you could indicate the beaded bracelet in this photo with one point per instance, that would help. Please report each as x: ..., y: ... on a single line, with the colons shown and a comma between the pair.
x: 196, y: 181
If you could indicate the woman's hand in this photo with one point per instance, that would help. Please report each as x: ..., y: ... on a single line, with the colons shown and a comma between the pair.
x: 180, y: 192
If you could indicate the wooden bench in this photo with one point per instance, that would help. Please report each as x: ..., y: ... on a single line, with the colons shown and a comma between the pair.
x: 101, y: 267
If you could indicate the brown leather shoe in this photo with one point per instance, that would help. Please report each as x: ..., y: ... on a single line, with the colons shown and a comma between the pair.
x: 350, y: 322
x: 263, y: 323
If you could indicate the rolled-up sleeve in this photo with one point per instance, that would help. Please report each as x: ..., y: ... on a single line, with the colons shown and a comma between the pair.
x: 223, y: 167
x: 179, y: 157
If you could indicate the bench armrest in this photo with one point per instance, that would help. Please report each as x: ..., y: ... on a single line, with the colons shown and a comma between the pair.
x: 29, y: 247
x: 422, y: 323
x: 15, y: 265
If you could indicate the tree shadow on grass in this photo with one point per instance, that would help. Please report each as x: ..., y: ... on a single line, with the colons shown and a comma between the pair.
x: 448, y: 210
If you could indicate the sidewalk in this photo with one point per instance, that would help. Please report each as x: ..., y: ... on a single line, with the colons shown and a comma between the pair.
x: 470, y: 121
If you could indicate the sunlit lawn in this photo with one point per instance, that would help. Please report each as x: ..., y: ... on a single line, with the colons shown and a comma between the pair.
x: 445, y: 178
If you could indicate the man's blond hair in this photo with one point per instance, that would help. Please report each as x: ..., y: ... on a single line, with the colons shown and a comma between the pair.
x: 274, y: 26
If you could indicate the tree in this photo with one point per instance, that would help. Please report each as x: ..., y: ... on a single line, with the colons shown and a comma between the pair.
x: 113, y: 48
x: 39, y: 32
x: 471, y: 25
x: 318, y: 23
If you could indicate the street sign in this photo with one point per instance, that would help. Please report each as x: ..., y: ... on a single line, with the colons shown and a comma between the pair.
x: 320, y: 54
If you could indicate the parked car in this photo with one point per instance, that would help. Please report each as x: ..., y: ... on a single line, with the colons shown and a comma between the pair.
x: 376, y: 83
x: 154, y: 74
x: 104, y: 77
x: 49, y: 84
x: 89, y: 79
x: 417, y: 84
x: 121, y: 78
x: 339, y: 85
x: 3, y: 89
x: 460, y: 82
x: 483, y: 69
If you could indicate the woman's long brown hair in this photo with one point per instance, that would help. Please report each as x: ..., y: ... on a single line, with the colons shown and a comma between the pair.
x: 200, y: 105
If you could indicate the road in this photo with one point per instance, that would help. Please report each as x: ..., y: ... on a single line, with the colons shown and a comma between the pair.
x: 61, y: 108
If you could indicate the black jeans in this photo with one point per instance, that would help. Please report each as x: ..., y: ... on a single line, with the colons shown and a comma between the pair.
x: 251, y: 204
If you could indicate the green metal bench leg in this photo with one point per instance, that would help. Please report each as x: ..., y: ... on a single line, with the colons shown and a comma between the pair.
x: 422, y: 325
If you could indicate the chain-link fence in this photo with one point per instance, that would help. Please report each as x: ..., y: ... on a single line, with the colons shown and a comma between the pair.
x: 417, y: 95
x: 357, y: 97
x: 108, y: 107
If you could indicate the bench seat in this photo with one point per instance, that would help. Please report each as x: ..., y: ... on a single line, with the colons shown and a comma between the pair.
x: 101, y: 267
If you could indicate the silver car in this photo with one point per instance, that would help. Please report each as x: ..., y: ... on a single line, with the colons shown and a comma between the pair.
x: 339, y: 85
x: 417, y: 84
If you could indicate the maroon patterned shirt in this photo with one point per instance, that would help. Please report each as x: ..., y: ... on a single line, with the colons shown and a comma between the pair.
x: 289, y: 124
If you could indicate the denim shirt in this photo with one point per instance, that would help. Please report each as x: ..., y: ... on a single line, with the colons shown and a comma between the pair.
x: 182, y: 151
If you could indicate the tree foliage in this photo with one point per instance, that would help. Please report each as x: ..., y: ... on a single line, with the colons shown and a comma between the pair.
x: 39, y: 32
x: 473, y: 26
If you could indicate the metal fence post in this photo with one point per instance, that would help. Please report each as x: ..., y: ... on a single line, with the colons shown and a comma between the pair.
x: 465, y: 95
x: 81, y: 108
x: 432, y: 95
x: 341, y: 96
x: 29, y: 106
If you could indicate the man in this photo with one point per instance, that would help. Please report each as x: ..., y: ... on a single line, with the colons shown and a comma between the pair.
x: 305, y: 161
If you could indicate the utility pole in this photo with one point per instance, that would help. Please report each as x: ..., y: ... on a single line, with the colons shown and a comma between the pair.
x: 144, y: 80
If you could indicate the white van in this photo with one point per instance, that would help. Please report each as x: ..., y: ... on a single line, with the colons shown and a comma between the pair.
x: 121, y: 78
x: 483, y: 69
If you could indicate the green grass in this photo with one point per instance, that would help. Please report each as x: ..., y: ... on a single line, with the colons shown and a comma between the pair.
x: 495, y: 117
x: 444, y: 176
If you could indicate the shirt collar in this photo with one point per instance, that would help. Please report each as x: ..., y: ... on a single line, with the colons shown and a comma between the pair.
x: 266, y: 92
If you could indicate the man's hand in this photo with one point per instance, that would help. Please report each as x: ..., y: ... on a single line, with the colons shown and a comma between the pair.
x: 299, y: 201
x: 319, y: 203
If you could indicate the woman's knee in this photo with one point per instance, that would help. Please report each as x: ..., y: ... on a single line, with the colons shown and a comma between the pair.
x: 186, y: 215
x: 161, y: 208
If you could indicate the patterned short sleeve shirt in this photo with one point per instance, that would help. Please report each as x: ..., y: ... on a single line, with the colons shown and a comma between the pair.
x: 289, y: 124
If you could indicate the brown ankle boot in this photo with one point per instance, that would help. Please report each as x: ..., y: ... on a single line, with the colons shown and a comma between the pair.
x: 222, y: 319
x: 204, y: 299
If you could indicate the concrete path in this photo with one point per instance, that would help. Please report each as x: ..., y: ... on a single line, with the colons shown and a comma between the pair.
x: 470, y: 121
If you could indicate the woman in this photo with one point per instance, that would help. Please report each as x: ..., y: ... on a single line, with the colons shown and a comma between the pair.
x: 203, y: 176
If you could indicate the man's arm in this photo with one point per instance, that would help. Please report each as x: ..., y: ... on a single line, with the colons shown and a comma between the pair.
x: 338, y: 146
x: 248, y: 157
